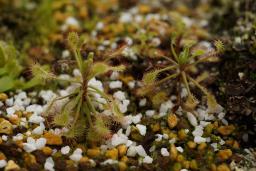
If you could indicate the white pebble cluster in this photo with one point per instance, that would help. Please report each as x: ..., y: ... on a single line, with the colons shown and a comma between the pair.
x: 32, y: 144
x: 49, y: 164
x: 77, y: 155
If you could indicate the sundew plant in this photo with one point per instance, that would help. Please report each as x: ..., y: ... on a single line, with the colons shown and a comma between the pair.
x: 81, y: 110
x: 179, y: 67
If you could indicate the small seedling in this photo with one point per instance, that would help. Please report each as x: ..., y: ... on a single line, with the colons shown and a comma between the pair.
x: 179, y: 67
x: 82, y: 108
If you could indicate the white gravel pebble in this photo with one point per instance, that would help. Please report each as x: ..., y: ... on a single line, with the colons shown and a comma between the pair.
x: 221, y: 115
x: 72, y: 21
x: 142, y: 129
x: 28, y: 147
x: 224, y: 121
x: 3, y: 163
x: 123, y: 105
x: 126, y: 17
x: 10, y: 111
x: 37, y: 109
x: 180, y: 149
x: 77, y: 155
x: 143, y: 102
x: 198, y: 131
x: 199, y: 139
x: 96, y: 83
x: 159, y: 137
x: 164, y: 152
x: 4, y: 137
x: 150, y: 113
x: 109, y: 161
x: 39, y: 130
x: 9, y: 102
x: 118, y: 139
x: 78, y: 151
x: 131, y: 152
x: 137, y: 118
x: 49, y: 164
x: 215, y: 146
x: 40, y: 143
x: 17, y: 137
x: 129, y: 143
x: 172, y: 141
x: 131, y: 84
x: 147, y: 159
x: 32, y: 144
x: 204, y: 123
x: 119, y: 95
x: 36, y: 119
x: 165, y: 136
x: 47, y: 95
x: 222, y: 142
x: 115, y: 84
x: 128, y: 131
x: 192, y: 119
x: 65, y: 54
x: 140, y: 151
x: 65, y: 150
x: 165, y: 107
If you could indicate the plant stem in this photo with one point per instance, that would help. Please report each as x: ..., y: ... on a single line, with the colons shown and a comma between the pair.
x: 174, y: 53
x: 204, y: 58
x: 90, y: 105
x: 86, y: 110
x: 184, y: 77
x: 167, y: 78
x: 78, y: 108
x: 100, y: 93
x: 203, y: 89
x: 79, y: 60
x: 169, y: 59
x: 168, y: 68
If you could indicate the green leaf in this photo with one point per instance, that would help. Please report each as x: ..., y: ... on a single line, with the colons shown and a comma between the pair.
x: 118, y: 68
x: 2, y: 56
x: 32, y: 83
x: 8, y: 60
x: 191, y: 102
x: 142, y: 91
x: 99, y: 131
x: 198, y: 52
x: 78, y: 129
x: 212, y: 104
x: 73, y: 40
x: 99, y: 68
x: 184, y: 55
x: 150, y: 77
x: 10, y: 65
x: 159, y: 98
x: 6, y: 83
x: 219, y: 46
x: 42, y: 72
x: 3, y: 71
x: 62, y: 119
